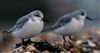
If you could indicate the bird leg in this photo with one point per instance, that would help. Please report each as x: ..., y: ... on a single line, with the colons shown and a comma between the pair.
x: 69, y: 37
x: 64, y: 38
x: 25, y: 43
x: 20, y: 44
x: 22, y: 40
x: 72, y: 36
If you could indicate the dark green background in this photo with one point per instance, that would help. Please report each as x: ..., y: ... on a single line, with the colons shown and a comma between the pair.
x: 11, y: 10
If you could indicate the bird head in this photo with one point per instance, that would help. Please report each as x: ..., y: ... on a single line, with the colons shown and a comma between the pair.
x: 38, y: 15
x: 82, y: 14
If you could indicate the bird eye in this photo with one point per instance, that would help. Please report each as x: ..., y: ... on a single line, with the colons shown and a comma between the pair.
x: 82, y: 13
x: 37, y: 14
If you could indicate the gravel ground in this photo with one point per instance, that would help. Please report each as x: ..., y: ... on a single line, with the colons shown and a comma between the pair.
x: 53, y: 43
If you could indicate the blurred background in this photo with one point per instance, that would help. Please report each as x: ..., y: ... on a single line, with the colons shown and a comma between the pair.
x: 11, y: 10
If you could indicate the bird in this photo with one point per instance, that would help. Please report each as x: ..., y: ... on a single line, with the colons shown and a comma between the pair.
x: 70, y: 23
x: 28, y: 26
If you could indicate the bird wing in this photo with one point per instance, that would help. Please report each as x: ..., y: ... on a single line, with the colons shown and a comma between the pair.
x: 19, y: 24
x: 61, y: 22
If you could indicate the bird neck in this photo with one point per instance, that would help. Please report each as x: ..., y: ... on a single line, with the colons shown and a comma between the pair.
x: 82, y: 18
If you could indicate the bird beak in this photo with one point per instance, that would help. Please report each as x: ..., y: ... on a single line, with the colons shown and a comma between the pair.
x: 89, y: 18
x: 45, y: 20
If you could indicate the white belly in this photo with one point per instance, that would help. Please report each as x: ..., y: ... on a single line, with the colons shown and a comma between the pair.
x: 71, y: 27
x: 29, y: 29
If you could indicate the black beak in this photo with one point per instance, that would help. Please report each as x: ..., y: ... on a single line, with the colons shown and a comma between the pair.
x: 45, y: 20
x: 89, y: 18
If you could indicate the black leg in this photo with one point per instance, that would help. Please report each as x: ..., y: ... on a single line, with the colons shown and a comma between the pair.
x: 24, y: 43
x: 70, y: 37
x: 18, y: 45
x: 23, y: 40
x: 29, y: 41
x: 64, y: 38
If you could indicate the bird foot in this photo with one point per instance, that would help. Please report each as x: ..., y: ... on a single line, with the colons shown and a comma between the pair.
x: 24, y: 43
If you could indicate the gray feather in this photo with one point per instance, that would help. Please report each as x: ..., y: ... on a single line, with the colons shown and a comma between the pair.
x: 19, y: 24
x: 62, y: 21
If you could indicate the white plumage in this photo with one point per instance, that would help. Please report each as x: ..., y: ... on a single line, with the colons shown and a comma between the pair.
x: 30, y: 29
x: 73, y: 26
x: 70, y: 23
x: 28, y: 26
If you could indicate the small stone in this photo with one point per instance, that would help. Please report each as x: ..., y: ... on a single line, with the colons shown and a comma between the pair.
x: 27, y: 52
x: 20, y: 50
x: 63, y: 52
x: 31, y: 48
x: 46, y: 51
x: 96, y: 51
x: 91, y: 44
x: 79, y: 42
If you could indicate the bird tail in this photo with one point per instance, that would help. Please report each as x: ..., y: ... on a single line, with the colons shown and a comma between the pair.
x: 49, y: 30
x: 5, y: 31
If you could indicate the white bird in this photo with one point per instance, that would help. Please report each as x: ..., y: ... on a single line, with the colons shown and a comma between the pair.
x: 70, y: 23
x: 28, y: 26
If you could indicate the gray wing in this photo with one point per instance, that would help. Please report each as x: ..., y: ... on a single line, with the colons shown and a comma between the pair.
x: 19, y: 24
x: 61, y: 22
